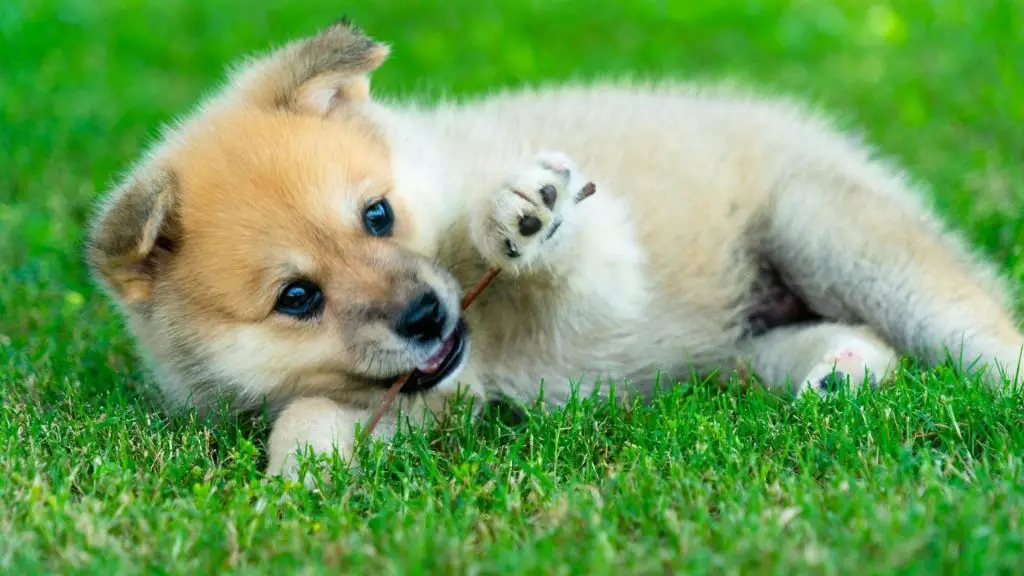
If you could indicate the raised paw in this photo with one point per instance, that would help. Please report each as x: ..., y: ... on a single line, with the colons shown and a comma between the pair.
x: 532, y: 211
x: 848, y: 366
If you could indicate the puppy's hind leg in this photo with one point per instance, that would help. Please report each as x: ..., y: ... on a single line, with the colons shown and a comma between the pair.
x: 859, y: 247
x: 820, y: 357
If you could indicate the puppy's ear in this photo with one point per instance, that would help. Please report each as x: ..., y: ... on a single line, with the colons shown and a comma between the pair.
x: 314, y: 75
x: 134, y: 233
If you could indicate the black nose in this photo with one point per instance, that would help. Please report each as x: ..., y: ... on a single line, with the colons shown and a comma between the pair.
x: 424, y: 319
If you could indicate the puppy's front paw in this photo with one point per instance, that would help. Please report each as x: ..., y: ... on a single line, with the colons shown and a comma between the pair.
x: 531, y: 212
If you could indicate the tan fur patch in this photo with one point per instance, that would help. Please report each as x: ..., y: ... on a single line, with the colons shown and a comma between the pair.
x: 271, y: 196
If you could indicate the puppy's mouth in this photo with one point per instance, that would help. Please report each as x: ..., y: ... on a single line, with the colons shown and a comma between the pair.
x: 441, y: 364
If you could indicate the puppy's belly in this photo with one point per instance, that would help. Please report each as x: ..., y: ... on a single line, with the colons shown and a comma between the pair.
x: 632, y: 368
x: 558, y: 353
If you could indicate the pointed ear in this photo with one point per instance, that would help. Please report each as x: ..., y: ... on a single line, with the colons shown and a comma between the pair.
x: 314, y: 75
x: 134, y: 233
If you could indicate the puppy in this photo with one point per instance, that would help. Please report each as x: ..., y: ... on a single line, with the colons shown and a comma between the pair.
x: 297, y: 244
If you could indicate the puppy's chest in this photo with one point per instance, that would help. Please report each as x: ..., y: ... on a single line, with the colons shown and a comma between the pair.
x: 553, y: 330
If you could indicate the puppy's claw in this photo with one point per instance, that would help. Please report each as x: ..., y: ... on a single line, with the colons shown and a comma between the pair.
x: 587, y: 191
x: 510, y: 249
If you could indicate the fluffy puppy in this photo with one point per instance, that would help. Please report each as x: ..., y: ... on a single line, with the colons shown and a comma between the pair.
x: 297, y: 243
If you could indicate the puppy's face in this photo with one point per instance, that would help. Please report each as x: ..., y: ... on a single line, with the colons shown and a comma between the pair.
x: 299, y: 261
x: 265, y: 250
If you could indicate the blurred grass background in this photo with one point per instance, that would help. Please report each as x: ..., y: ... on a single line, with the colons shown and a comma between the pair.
x: 91, y: 479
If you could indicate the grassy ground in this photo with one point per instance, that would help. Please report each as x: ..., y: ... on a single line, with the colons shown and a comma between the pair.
x: 925, y: 477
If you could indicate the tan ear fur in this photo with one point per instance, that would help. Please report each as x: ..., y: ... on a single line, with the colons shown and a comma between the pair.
x: 133, y: 231
x: 314, y: 75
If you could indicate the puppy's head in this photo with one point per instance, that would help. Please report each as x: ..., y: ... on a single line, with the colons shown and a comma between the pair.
x: 263, y: 248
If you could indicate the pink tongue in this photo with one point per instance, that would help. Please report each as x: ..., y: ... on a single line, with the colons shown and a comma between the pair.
x: 434, y: 362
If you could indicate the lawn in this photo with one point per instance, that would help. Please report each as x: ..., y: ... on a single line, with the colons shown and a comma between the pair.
x: 924, y: 477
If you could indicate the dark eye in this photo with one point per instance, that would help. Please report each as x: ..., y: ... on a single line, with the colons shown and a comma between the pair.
x: 378, y: 219
x: 302, y: 299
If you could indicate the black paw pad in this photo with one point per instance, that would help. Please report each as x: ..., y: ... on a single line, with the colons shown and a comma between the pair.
x: 548, y: 195
x: 833, y: 382
x: 530, y: 225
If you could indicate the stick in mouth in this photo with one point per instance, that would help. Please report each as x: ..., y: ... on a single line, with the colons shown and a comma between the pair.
x: 389, y: 397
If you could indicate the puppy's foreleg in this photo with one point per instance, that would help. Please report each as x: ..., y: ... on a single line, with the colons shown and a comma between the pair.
x: 326, y: 427
x: 319, y: 424
x: 819, y: 358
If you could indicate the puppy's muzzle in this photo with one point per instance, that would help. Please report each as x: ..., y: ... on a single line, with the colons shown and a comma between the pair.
x: 424, y: 320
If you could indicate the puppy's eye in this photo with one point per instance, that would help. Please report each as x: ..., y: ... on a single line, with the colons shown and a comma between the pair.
x: 378, y: 219
x: 302, y: 299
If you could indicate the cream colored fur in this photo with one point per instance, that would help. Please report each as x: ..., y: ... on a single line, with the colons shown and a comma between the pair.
x: 648, y: 278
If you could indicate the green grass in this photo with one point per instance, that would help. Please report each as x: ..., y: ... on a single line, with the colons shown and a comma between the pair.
x: 924, y: 477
